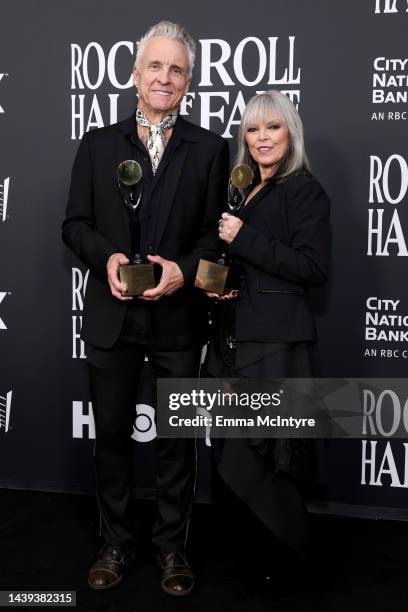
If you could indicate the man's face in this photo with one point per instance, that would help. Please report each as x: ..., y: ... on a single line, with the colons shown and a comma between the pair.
x: 162, y: 77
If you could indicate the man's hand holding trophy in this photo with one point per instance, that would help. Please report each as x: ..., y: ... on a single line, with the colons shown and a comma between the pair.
x: 136, y: 275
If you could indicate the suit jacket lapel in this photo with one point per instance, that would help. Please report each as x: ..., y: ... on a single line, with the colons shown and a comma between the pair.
x: 183, y: 137
x: 171, y: 181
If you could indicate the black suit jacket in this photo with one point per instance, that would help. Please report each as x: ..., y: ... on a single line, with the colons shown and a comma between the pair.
x: 97, y: 225
x: 283, y: 247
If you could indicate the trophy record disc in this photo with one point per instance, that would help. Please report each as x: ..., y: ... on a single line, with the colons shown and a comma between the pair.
x: 137, y: 275
x: 211, y: 276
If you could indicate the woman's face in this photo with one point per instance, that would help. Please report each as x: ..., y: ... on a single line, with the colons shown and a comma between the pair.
x: 268, y: 142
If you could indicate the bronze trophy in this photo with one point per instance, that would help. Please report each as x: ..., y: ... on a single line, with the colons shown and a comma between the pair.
x: 137, y: 275
x: 212, y: 276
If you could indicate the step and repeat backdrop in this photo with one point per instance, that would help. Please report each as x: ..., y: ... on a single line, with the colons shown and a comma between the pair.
x: 65, y: 68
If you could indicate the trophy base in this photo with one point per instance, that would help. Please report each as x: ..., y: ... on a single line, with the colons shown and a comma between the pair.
x: 138, y: 278
x: 211, y: 277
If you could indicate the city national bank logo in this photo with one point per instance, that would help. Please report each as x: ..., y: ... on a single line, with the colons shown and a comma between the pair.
x: 83, y: 423
x: 2, y: 75
x: 386, y: 329
x: 390, y: 74
x: 4, y: 191
x: 391, y: 6
x: 390, y: 88
x: 227, y: 75
x: 385, y: 233
x: 5, y: 408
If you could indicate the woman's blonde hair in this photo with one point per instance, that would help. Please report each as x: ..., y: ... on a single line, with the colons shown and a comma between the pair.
x: 260, y: 108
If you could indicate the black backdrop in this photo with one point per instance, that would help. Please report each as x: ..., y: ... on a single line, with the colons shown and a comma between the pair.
x: 64, y: 68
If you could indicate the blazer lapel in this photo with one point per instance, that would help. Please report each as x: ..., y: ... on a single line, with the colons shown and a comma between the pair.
x: 171, y: 181
x: 247, y: 210
x: 173, y: 172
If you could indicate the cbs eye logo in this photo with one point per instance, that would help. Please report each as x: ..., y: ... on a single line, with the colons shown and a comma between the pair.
x: 144, y: 429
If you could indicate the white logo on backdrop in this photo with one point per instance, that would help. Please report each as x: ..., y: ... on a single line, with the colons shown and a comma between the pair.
x: 390, y: 76
x: 86, y: 110
x: 2, y: 75
x: 224, y: 65
x: 385, y: 414
x: 224, y: 69
x: 4, y: 191
x: 379, y: 468
x: 385, y: 232
x: 386, y: 322
x: 83, y: 423
x: 144, y: 429
x: 390, y: 6
x: 5, y: 407
x: 79, y: 283
x: 390, y: 88
x: 2, y: 296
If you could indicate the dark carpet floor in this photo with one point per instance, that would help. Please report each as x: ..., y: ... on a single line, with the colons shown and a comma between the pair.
x: 49, y: 540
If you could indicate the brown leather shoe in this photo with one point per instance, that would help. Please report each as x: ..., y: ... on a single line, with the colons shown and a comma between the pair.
x: 177, y: 577
x: 108, y: 570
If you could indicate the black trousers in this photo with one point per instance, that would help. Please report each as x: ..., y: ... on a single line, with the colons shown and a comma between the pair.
x: 114, y: 377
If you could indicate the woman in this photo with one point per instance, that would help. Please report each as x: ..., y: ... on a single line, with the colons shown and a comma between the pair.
x: 281, y: 242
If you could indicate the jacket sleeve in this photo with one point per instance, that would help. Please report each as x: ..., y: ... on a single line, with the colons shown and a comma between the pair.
x: 208, y: 244
x: 78, y: 229
x: 305, y: 258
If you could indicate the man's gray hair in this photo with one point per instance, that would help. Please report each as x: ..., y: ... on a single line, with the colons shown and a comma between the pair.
x: 260, y: 108
x: 168, y: 29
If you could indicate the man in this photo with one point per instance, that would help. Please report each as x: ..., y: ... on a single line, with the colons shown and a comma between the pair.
x: 185, y: 172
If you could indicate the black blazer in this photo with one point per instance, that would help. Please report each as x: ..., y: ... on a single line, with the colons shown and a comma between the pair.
x: 97, y: 225
x: 283, y: 247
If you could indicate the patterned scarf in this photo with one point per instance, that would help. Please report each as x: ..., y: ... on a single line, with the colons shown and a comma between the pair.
x: 156, y: 142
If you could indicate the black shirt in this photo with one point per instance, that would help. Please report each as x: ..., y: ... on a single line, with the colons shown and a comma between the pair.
x: 148, y: 211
